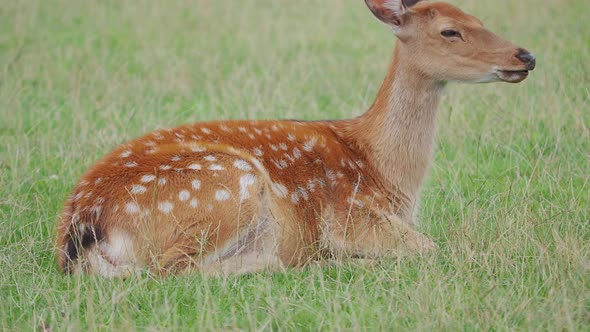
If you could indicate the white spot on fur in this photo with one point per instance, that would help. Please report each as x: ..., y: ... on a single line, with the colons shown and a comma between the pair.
x: 288, y: 156
x: 198, y: 148
x: 194, y: 167
x: 295, y: 198
x: 222, y: 195
x: 162, y: 181
x: 246, y: 181
x: 303, y: 193
x: 274, y: 147
x: 97, y: 181
x: 242, y: 129
x: 132, y: 208
x: 210, y: 158
x: 165, y: 206
x: 360, y: 163
x: 176, y: 158
x: 296, y: 153
x: 165, y: 167
x: 125, y: 154
x: 184, y: 195
x: 138, y: 189
x: 147, y: 178
x: 131, y: 164
x: 242, y: 165
x: 279, y: 189
x: 196, y: 184
x: 311, y: 186
x: 216, y: 167
x: 281, y: 164
x: 291, y: 137
x: 96, y: 209
x: 308, y: 146
x: 206, y: 131
x: 330, y: 174
x: 258, y: 152
x: 194, y: 203
x: 252, y: 137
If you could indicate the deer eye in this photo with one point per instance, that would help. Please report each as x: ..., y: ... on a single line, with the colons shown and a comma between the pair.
x: 450, y: 33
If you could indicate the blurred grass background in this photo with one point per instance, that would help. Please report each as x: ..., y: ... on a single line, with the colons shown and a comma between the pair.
x: 507, y: 201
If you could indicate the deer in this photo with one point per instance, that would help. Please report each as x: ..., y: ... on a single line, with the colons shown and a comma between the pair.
x: 243, y: 196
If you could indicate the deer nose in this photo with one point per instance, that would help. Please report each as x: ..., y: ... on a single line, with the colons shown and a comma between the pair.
x: 527, y: 58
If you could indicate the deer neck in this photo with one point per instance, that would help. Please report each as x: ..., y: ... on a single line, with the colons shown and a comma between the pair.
x: 397, y: 132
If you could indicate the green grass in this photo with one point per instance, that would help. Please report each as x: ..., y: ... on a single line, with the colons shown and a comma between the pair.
x: 507, y: 201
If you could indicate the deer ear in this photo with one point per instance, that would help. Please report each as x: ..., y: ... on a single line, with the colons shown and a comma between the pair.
x: 390, y: 12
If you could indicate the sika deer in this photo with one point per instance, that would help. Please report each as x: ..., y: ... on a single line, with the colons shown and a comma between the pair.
x: 242, y: 196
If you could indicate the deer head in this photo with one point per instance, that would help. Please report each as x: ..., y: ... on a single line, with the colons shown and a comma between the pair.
x: 445, y: 44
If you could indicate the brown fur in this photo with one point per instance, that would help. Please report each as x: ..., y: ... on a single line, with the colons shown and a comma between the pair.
x: 240, y: 196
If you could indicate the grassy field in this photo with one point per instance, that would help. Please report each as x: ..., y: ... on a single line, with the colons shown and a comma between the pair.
x: 507, y: 201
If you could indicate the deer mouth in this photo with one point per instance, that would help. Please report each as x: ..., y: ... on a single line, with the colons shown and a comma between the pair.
x: 512, y: 76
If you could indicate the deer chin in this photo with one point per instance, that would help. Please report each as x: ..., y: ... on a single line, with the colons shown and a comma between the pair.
x: 512, y: 76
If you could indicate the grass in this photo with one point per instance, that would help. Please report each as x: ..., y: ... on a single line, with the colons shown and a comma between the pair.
x: 507, y: 200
